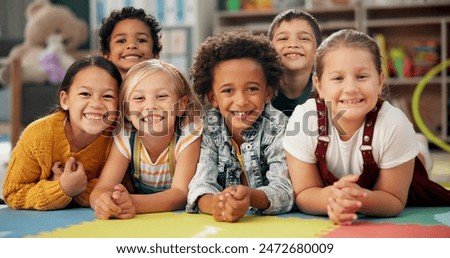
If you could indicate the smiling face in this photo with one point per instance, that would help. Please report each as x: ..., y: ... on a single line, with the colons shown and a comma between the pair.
x: 353, y: 87
x: 130, y: 43
x: 295, y: 42
x: 154, y: 105
x: 240, y: 93
x: 92, y: 101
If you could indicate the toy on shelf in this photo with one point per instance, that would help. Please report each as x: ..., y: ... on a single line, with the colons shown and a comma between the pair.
x: 249, y: 5
x: 233, y: 5
x: 381, y: 41
x: 427, y: 55
x: 398, y: 56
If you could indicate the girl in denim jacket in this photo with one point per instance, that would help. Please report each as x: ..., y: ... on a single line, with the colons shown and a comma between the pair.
x: 242, y: 163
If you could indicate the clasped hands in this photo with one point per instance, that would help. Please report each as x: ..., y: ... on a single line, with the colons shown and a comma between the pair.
x: 231, y: 204
x: 345, y: 200
x: 116, y: 204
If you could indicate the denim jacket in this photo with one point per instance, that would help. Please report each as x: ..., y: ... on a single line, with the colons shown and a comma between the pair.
x: 263, y: 157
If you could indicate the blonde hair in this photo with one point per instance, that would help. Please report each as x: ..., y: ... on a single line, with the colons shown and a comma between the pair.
x: 182, y: 88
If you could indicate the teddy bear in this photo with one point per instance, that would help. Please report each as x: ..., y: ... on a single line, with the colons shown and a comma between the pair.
x: 46, y: 23
x: 54, y: 59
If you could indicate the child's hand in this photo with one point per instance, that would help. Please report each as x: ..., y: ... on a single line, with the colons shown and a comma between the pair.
x: 57, y: 170
x: 338, y: 214
x: 122, y: 198
x: 345, y: 200
x: 73, y: 180
x: 104, y: 207
x: 218, y: 206
x: 237, y: 202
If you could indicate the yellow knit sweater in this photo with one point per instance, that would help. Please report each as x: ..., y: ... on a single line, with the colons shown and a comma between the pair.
x: 27, y: 183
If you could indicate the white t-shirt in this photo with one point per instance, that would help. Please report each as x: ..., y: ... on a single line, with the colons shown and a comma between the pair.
x: 394, y: 140
x: 157, y: 174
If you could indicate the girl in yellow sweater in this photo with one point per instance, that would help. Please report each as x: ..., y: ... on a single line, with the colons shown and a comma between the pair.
x: 58, y: 158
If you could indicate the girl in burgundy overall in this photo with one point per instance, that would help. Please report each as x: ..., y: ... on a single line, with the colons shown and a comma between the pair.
x: 348, y: 151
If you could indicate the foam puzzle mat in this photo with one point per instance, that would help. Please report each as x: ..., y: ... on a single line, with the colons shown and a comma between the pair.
x: 81, y: 223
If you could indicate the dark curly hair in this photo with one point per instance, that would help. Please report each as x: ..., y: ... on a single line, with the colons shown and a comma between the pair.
x: 129, y: 13
x: 234, y: 45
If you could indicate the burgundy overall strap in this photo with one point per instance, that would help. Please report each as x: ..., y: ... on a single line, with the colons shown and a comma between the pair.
x: 324, y: 139
x: 371, y: 171
x: 366, y: 146
x: 368, y: 178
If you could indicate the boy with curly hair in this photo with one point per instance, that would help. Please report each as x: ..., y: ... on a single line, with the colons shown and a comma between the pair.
x: 242, y: 165
x: 129, y: 36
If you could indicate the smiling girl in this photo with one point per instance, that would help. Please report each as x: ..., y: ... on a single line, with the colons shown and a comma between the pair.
x: 58, y: 158
x: 349, y: 152
x: 159, y: 141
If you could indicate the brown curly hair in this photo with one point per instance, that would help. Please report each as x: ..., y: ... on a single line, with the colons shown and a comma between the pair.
x: 129, y: 12
x: 234, y: 45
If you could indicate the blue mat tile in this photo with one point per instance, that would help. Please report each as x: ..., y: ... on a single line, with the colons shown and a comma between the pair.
x: 38, y: 221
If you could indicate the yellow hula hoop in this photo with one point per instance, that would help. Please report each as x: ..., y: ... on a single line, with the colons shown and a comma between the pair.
x: 415, y: 106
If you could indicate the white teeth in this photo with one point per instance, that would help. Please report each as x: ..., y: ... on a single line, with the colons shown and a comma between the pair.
x: 152, y: 118
x: 353, y: 101
x: 93, y: 116
x: 236, y: 113
x: 292, y: 55
x: 131, y: 57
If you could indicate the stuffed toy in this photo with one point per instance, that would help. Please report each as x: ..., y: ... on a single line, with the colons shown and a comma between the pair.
x: 52, y: 36
x: 54, y: 59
